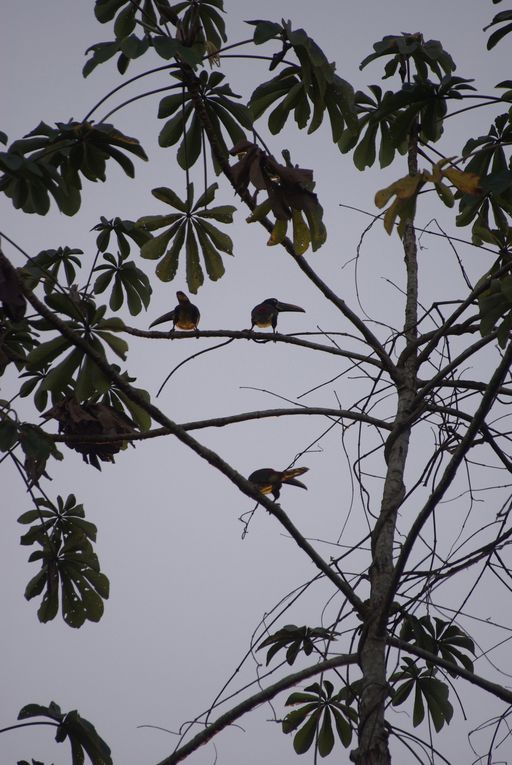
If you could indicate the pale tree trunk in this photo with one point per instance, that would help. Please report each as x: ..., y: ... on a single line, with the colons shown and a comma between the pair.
x: 373, y: 736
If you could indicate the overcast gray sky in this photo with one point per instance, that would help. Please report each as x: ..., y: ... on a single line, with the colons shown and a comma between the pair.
x: 186, y: 591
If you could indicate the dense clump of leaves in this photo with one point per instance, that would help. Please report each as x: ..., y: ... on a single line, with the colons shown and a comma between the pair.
x: 199, y: 31
x: 289, y: 192
x: 77, y: 373
x: 440, y: 638
x: 52, y: 160
x: 309, y: 89
x: 227, y: 119
x: 92, y: 420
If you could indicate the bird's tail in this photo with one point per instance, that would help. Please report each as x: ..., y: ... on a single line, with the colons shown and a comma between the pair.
x: 166, y: 317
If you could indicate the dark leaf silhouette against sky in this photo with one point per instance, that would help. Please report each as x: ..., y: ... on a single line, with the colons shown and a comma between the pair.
x: 186, y: 591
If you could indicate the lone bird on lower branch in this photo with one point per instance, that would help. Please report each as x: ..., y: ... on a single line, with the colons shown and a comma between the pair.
x: 184, y: 316
x: 265, y: 314
x: 270, y: 481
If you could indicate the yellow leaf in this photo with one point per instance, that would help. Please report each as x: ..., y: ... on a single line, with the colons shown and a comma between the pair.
x: 278, y: 233
x: 260, y: 211
x: 468, y: 183
x: 445, y: 194
x: 437, y: 170
x: 301, y: 233
x: 403, y: 189
x: 390, y: 216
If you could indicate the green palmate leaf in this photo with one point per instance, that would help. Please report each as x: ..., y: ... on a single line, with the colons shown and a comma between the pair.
x: 127, y: 278
x: 325, y: 735
x: 418, y: 714
x: 55, y: 159
x: 305, y: 737
x: 265, y: 31
x: 343, y: 727
x: 60, y: 377
x: 170, y: 197
x: 295, y: 718
x: 195, y: 277
x: 191, y: 145
x: 155, y: 247
x: 212, y: 259
x: 168, y: 266
x: 169, y: 104
x: 82, y: 735
x: 8, y: 434
x: 120, y: 401
x: 45, y: 353
x: 221, y: 240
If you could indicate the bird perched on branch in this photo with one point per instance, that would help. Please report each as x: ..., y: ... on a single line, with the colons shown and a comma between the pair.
x: 265, y: 314
x: 270, y: 481
x: 184, y: 316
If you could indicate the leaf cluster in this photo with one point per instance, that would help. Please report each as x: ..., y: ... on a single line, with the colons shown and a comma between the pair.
x: 320, y: 706
x: 387, y: 120
x: 76, y: 372
x: 227, y: 118
x: 37, y: 446
x: 310, y: 89
x: 70, y: 570
x: 440, y: 638
x: 96, y: 420
x: 49, y: 162
x: 290, y: 195
x: 186, y: 31
x: 428, y: 690
x: 295, y: 639
x: 189, y: 228
x: 82, y: 735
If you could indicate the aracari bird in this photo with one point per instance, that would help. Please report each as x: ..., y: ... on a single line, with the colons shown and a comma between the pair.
x: 265, y: 314
x: 270, y: 481
x: 184, y: 316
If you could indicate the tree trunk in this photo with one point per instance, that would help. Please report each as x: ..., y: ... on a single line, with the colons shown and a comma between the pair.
x: 373, y: 736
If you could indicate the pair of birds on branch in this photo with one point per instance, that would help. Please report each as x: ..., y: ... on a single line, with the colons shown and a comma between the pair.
x: 186, y: 315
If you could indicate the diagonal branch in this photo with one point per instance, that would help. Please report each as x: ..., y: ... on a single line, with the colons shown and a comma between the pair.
x: 497, y: 690
x: 252, y: 702
x: 204, y: 452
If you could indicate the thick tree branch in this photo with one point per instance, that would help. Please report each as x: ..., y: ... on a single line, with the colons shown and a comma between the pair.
x: 254, y: 701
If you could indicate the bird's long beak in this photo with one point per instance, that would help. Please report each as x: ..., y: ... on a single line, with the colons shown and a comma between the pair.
x: 294, y: 482
x: 289, y: 307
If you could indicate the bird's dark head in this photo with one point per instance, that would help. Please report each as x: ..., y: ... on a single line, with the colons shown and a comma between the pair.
x: 274, y: 302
